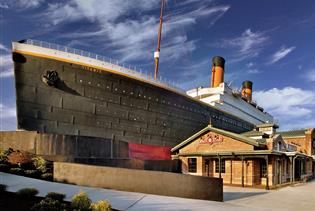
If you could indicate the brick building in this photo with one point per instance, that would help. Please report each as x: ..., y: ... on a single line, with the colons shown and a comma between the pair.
x: 304, y: 140
x: 260, y: 157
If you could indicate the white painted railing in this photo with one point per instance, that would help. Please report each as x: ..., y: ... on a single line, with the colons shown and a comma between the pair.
x: 124, y: 68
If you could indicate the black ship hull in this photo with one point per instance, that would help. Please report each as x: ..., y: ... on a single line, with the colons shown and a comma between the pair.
x: 90, y: 102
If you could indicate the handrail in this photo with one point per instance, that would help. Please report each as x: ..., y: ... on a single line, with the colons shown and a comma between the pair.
x: 126, y: 69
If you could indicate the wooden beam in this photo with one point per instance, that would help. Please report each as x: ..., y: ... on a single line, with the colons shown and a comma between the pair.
x: 231, y: 163
x: 242, y: 171
x: 267, y: 172
x: 219, y: 167
x: 291, y: 170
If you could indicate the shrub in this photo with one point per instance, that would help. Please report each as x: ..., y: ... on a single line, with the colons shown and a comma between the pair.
x: 49, y: 204
x: 40, y: 164
x: 31, y: 173
x: 3, y: 158
x: 7, y: 152
x: 81, y: 201
x: 56, y: 196
x: 17, y: 171
x: 47, y: 176
x: 3, y: 188
x: 4, y: 167
x: 20, y: 158
x: 27, y: 192
x: 102, y: 205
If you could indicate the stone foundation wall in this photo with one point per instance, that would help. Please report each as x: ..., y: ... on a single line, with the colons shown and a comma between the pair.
x: 63, y: 147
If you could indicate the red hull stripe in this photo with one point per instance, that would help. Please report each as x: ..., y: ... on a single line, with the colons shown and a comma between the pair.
x: 149, y: 152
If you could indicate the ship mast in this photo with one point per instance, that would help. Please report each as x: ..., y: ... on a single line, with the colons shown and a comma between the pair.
x: 157, y: 52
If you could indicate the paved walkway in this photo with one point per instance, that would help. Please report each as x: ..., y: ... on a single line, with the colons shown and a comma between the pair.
x: 119, y: 200
x: 301, y: 197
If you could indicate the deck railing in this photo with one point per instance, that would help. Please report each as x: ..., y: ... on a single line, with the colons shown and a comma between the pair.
x: 122, y: 67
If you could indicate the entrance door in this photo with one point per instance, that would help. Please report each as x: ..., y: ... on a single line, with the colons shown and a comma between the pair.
x: 279, y: 171
x: 297, y: 172
x: 207, y: 169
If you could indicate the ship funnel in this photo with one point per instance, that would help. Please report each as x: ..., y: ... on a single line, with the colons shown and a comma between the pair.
x: 217, y: 71
x: 247, y: 87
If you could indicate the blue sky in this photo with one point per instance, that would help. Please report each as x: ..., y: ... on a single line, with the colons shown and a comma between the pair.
x: 270, y: 42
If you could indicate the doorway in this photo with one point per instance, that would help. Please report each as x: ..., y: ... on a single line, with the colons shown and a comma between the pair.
x: 207, y: 167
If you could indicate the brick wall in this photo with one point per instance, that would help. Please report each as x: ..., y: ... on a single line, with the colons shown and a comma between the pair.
x: 233, y: 170
x: 299, y: 142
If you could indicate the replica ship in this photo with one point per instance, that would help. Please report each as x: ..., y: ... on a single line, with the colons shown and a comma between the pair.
x: 61, y: 90
x: 66, y: 91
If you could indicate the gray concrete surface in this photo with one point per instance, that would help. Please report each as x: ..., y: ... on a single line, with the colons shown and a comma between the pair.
x: 299, y: 198
x: 120, y: 200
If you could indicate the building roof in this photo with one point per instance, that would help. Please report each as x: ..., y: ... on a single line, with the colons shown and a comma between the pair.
x: 239, y: 137
x: 292, y: 133
x: 231, y: 153
x: 253, y: 133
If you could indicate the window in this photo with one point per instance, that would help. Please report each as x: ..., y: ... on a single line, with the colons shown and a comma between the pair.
x: 279, y: 146
x: 222, y: 166
x: 192, y: 165
x: 263, y: 169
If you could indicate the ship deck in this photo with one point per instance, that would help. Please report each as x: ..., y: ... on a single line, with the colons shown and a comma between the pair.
x: 94, y: 61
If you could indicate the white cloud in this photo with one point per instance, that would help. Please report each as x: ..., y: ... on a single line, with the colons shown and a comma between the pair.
x: 7, y: 117
x: 30, y: 3
x: 310, y: 75
x: 81, y: 9
x: 7, y: 112
x: 250, y: 64
x: 183, y: 17
x: 22, y: 4
x: 6, y: 65
x: 133, y: 37
x: 300, y: 67
x: 4, y: 48
x: 252, y: 68
x: 287, y: 101
x: 248, y: 45
x: 280, y: 54
x: 253, y: 71
x: 5, y: 60
x: 298, y: 124
x: 7, y: 73
x: 4, y: 6
x: 290, y: 105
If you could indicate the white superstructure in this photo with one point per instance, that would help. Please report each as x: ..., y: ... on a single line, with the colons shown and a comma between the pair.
x: 225, y: 98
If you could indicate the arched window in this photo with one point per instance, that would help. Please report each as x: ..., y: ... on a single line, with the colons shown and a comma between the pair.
x: 279, y: 146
